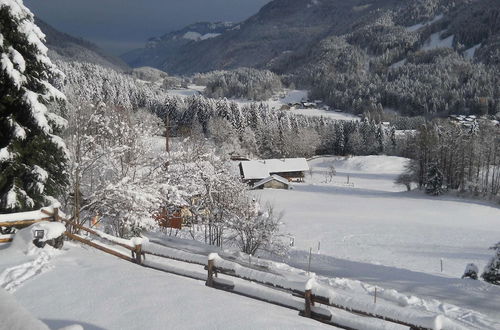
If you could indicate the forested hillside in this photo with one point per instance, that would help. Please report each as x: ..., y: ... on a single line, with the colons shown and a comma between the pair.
x: 425, y: 57
x: 62, y: 45
x: 466, y: 156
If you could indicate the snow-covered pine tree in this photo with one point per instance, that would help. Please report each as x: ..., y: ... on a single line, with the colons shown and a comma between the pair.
x: 491, y: 272
x: 435, y: 180
x: 32, y: 156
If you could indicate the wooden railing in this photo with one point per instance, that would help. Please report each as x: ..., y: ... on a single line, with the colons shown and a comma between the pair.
x: 139, y: 253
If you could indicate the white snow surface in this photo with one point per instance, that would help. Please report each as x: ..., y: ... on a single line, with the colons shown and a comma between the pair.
x: 191, y: 35
x: 469, y: 53
x: 435, y: 41
x: 51, y: 229
x: 95, y: 290
x: 30, y: 215
x: 374, y: 231
x: 418, y: 26
x: 372, y: 234
x: 15, y: 317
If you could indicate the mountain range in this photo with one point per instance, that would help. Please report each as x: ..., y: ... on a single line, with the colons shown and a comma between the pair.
x: 284, y: 33
x: 66, y: 47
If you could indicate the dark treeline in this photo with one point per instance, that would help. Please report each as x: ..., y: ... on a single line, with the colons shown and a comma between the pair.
x: 448, y: 156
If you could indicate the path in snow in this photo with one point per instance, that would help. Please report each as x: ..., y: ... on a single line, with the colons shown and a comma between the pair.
x: 13, y: 277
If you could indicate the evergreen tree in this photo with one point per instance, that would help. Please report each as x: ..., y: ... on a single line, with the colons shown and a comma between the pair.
x: 434, y: 184
x: 32, y: 156
x: 491, y: 272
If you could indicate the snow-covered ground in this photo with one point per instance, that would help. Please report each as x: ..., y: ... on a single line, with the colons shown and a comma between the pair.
x: 436, y: 41
x: 371, y: 232
x: 289, y: 96
x: 328, y: 114
x: 85, y: 287
x: 97, y: 291
x: 469, y: 53
x: 185, y: 92
x: 418, y: 26
x: 374, y: 231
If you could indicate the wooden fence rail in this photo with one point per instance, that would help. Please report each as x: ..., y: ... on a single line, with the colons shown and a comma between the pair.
x: 139, y: 252
x: 99, y: 247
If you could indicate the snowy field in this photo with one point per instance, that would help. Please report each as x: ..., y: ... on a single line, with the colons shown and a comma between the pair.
x: 101, y: 292
x: 369, y: 230
x: 86, y: 287
x: 289, y: 96
x: 374, y: 231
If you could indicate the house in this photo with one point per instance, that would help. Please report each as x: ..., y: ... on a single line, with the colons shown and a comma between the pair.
x: 292, y: 169
x: 273, y: 182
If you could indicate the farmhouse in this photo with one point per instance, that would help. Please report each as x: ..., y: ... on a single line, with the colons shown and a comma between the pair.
x: 274, y: 181
x: 292, y: 169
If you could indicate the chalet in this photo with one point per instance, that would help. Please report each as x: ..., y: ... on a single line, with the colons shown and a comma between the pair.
x: 273, y: 182
x: 292, y: 169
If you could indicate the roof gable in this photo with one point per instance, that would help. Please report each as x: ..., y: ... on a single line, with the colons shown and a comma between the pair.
x: 273, y: 177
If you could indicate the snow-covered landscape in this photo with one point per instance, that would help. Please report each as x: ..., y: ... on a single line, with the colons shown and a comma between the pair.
x: 317, y: 165
x: 370, y: 245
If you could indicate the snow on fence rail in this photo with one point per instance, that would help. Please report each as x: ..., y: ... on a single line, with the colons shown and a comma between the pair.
x: 255, y: 282
x: 24, y: 219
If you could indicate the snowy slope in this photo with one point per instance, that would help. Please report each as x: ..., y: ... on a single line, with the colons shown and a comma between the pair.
x: 98, y: 291
x: 378, y: 233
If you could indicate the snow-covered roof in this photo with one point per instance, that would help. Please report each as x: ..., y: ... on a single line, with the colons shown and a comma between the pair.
x: 271, y: 178
x: 260, y: 169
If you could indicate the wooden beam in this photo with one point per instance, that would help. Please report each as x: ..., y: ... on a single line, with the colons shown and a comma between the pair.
x: 5, y: 240
x: 90, y: 231
x: 23, y: 222
x: 99, y: 247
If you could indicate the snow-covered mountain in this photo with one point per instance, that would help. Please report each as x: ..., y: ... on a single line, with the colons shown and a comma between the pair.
x: 161, y: 50
x: 283, y: 33
x: 62, y: 45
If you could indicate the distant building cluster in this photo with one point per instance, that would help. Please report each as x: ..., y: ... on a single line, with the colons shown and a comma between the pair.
x: 470, y: 121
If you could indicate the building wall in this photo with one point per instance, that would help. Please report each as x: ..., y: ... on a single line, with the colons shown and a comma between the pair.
x: 275, y: 185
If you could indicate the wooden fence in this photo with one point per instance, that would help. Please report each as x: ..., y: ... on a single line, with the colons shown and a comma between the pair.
x: 138, y: 255
x: 18, y: 224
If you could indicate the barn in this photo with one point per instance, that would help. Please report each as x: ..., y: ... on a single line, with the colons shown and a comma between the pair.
x: 292, y: 169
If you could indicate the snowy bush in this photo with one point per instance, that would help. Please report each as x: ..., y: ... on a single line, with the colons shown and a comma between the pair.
x: 471, y: 271
x: 491, y: 272
x: 257, y: 229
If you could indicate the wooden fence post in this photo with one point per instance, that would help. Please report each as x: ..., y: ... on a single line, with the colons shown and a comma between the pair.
x: 210, y: 277
x: 211, y: 269
x: 56, y: 214
x: 309, y: 303
x: 137, y: 255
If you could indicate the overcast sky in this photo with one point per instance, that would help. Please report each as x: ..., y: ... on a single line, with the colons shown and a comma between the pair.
x: 121, y: 25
